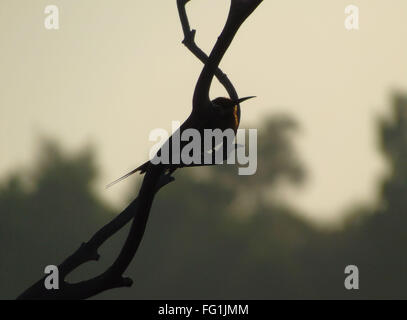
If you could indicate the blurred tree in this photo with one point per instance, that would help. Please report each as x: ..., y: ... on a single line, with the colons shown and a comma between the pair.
x: 44, y: 219
x: 196, y: 245
x: 394, y: 146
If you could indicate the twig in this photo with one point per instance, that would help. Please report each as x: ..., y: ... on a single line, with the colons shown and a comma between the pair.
x: 239, y: 11
x: 189, y: 42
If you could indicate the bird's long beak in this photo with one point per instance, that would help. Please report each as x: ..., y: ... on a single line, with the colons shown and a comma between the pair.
x: 238, y: 101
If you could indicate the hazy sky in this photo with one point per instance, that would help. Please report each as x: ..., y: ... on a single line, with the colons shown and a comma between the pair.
x: 117, y: 69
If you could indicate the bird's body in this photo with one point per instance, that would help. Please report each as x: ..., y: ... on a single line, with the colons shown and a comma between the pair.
x: 223, y: 114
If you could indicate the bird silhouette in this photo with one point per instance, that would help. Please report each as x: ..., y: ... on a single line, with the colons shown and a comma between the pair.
x: 224, y: 114
x: 221, y: 113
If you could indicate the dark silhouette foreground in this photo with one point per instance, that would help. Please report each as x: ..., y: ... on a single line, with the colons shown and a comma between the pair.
x: 155, y: 178
x: 239, y: 244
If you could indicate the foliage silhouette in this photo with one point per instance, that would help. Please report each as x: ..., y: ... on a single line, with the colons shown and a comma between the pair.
x: 199, y: 246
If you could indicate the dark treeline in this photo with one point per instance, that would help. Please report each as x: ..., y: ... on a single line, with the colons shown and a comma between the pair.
x: 214, y: 234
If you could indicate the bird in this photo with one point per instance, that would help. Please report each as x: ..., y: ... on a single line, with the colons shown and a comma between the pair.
x: 224, y: 113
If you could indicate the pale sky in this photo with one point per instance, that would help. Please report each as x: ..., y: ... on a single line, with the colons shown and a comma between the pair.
x: 115, y: 70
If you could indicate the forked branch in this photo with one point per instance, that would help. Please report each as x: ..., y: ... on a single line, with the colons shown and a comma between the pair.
x: 87, y: 252
x: 239, y: 11
x: 189, y: 42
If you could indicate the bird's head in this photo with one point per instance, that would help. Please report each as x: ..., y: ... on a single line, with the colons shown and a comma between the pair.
x: 228, y: 107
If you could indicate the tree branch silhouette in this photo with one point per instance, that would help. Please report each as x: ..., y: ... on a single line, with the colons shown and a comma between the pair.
x: 190, y: 44
x: 154, y: 179
x: 87, y: 252
x: 239, y: 11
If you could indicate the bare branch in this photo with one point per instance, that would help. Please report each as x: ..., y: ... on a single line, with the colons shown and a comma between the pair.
x: 189, y: 42
x: 239, y: 11
x: 89, y: 252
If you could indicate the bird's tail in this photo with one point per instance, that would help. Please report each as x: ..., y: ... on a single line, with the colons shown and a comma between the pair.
x: 142, y: 169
